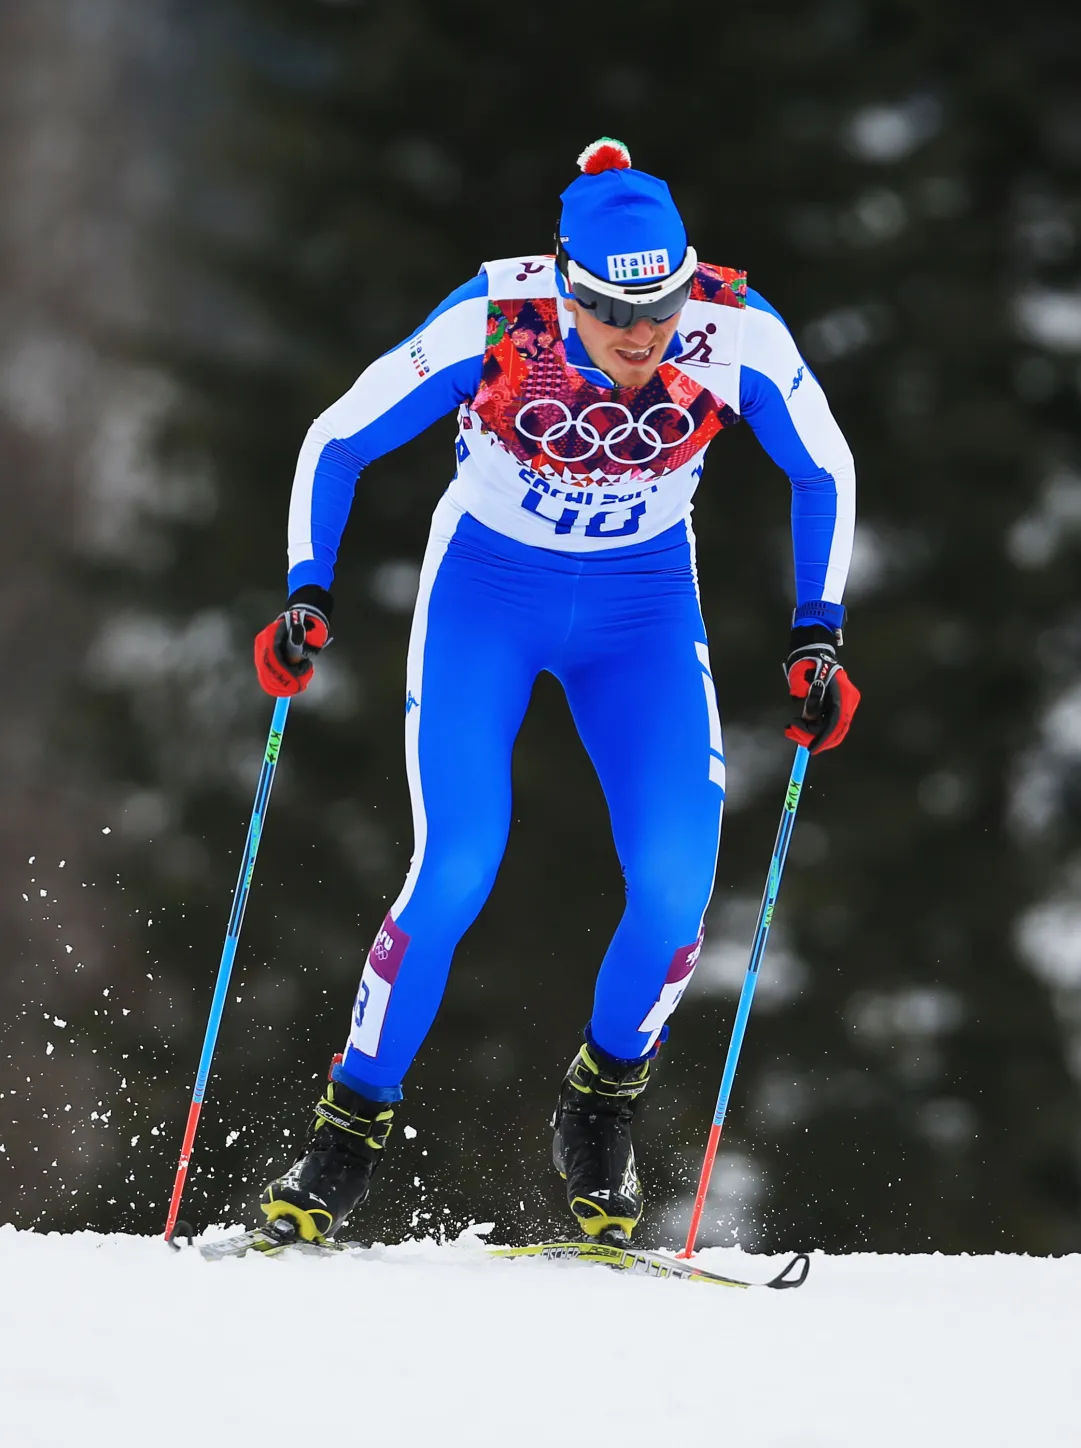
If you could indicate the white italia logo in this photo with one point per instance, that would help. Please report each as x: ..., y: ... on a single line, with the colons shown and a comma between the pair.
x: 638, y: 266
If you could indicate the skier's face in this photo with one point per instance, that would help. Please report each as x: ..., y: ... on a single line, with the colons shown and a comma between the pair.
x: 630, y: 355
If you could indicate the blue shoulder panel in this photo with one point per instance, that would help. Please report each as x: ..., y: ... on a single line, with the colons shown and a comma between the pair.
x: 342, y: 458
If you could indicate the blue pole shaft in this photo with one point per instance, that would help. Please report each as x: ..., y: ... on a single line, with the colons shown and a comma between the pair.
x: 761, y: 930
x: 750, y: 981
x: 228, y: 954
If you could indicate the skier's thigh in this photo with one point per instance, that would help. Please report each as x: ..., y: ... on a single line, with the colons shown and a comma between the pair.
x: 468, y: 692
x: 647, y: 714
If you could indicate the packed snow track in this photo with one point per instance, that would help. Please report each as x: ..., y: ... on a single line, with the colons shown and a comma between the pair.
x: 116, y: 1342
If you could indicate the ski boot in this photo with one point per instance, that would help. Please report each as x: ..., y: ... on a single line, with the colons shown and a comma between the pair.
x: 344, y: 1151
x: 592, y: 1147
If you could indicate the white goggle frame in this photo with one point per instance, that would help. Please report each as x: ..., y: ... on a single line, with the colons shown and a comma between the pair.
x: 636, y: 291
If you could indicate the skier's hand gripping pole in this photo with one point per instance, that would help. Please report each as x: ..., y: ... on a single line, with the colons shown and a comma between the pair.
x: 817, y: 681
x: 286, y: 649
x: 232, y: 937
x: 750, y: 980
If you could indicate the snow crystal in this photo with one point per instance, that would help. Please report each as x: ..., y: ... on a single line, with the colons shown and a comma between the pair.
x: 409, y: 1132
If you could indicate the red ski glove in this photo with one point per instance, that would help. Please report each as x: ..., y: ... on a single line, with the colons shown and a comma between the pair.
x: 285, y: 648
x: 815, y: 679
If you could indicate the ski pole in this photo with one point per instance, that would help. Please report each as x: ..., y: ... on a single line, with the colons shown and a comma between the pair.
x: 750, y: 980
x: 232, y: 936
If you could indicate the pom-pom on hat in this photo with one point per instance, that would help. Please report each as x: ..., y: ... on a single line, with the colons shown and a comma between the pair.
x: 620, y: 224
x: 607, y: 154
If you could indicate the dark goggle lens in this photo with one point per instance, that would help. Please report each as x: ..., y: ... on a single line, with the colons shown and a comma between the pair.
x: 617, y: 312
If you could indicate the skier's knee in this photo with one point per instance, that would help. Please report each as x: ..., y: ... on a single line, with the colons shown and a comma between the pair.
x: 459, y: 880
x: 675, y: 899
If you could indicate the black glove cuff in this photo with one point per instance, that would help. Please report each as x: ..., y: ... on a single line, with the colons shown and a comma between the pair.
x: 808, y: 635
x: 314, y: 596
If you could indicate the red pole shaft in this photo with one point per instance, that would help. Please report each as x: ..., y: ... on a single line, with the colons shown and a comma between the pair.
x: 182, y: 1169
x: 703, y: 1188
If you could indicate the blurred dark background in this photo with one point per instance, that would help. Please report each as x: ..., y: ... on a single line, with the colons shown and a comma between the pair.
x: 216, y: 213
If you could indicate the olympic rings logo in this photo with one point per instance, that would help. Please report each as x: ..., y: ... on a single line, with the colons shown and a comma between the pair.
x: 384, y: 944
x: 585, y: 433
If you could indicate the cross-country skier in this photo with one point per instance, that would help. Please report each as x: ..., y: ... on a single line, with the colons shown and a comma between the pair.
x: 588, y: 386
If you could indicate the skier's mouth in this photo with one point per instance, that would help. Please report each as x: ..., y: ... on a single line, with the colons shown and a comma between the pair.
x: 635, y: 356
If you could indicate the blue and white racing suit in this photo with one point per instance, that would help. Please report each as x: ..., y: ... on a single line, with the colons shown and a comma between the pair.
x: 564, y: 544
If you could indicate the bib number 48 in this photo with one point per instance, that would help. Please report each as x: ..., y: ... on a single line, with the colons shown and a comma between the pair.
x: 598, y: 524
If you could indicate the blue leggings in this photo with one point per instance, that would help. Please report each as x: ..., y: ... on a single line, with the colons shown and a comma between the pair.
x: 622, y: 631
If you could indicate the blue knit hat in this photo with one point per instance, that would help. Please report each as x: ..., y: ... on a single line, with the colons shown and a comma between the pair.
x: 620, y: 224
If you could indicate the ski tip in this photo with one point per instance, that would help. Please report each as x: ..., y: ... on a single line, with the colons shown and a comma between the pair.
x: 184, y: 1230
x: 793, y: 1274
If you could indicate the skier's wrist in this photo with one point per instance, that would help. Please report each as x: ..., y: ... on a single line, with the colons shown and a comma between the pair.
x: 817, y: 611
x: 312, y: 596
x: 807, y: 638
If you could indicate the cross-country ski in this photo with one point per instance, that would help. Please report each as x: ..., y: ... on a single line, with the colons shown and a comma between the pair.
x: 619, y: 1256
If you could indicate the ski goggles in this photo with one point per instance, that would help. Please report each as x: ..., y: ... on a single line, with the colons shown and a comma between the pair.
x: 619, y: 305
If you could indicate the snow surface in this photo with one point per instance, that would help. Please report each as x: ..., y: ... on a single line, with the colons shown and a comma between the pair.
x: 118, y: 1342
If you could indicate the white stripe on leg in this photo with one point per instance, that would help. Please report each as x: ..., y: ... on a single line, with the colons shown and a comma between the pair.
x: 444, y: 522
